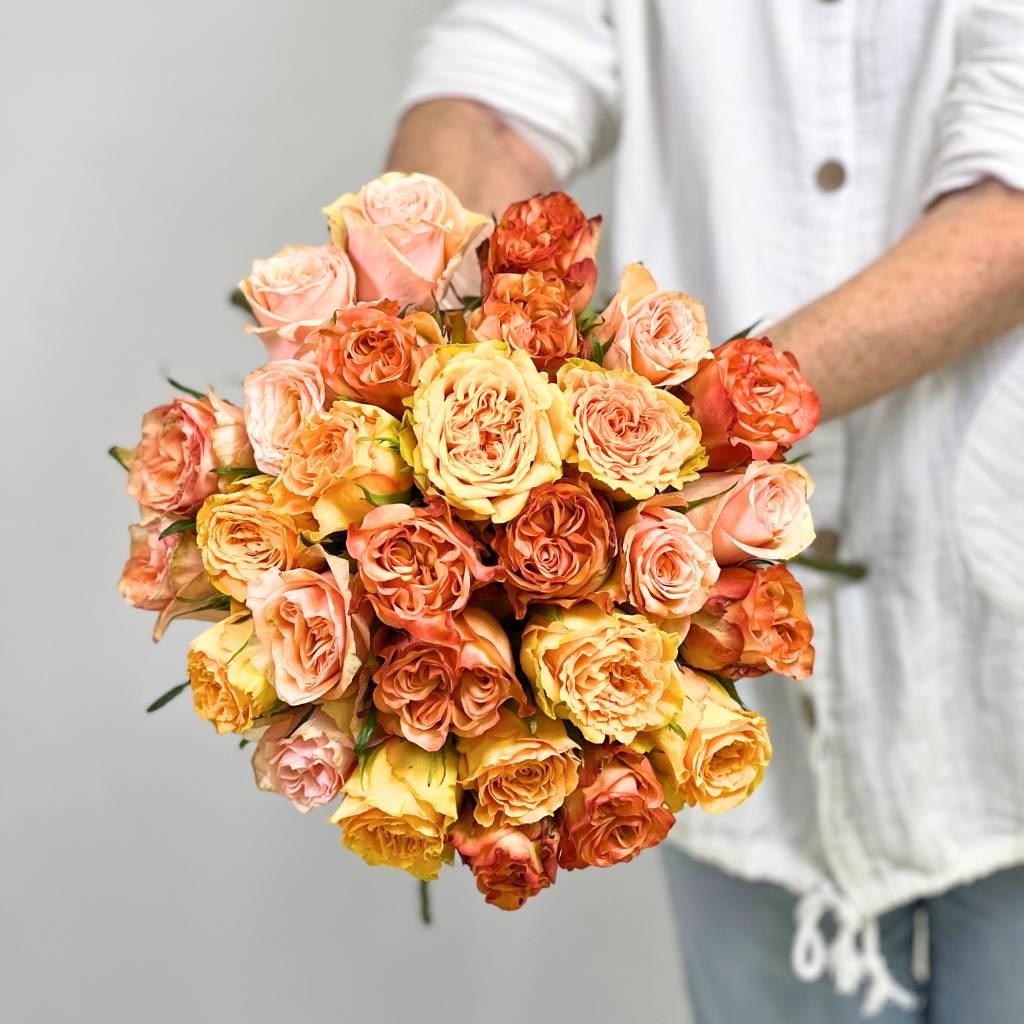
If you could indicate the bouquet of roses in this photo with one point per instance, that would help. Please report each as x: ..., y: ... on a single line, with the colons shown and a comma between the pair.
x: 483, y: 569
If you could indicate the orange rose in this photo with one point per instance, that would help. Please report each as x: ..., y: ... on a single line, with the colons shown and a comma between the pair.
x: 617, y: 811
x: 278, y: 398
x: 752, y: 402
x: 753, y: 622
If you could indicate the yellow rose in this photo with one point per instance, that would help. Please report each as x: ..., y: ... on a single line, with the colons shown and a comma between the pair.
x: 519, y: 775
x: 484, y: 428
x: 397, y: 810
x: 227, y: 688
x: 613, y: 675
x: 341, y: 464
x: 243, y: 532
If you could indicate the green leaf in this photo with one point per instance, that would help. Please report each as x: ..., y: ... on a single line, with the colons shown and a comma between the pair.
x: 122, y: 456
x: 588, y: 320
x: 746, y: 331
x: 366, y: 733
x: 598, y: 352
x: 242, y: 744
x: 185, y: 390
x: 678, y: 730
x: 729, y: 685
x: 220, y: 603
x: 691, y: 505
x: 179, y: 526
x: 851, y: 570
x: 237, y: 298
x: 364, y: 760
x: 167, y: 697
x: 425, y: 902
x: 236, y: 472
x: 798, y: 459
x: 399, y: 498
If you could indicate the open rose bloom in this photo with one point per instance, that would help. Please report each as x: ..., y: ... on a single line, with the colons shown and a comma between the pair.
x: 483, y: 558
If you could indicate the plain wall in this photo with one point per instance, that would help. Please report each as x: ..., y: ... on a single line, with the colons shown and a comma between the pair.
x: 149, y: 153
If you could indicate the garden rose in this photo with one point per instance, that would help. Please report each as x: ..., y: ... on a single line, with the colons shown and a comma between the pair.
x: 396, y: 812
x: 661, y: 335
x: 616, y: 812
x: 406, y: 235
x: 485, y: 428
x: 629, y: 436
x: 278, y: 398
x: 761, y: 511
x: 611, y: 674
x: 295, y: 291
x: 752, y: 402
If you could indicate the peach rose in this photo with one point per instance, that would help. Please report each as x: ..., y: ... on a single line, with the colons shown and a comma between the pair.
x: 531, y: 313
x: 752, y: 402
x: 295, y: 291
x: 547, y: 233
x: 510, y: 863
x: 278, y: 398
x: 612, y: 675
x: 406, y: 235
x: 227, y: 687
x: 372, y: 354
x: 426, y: 690
x: 305, y: 757
x: 520, y: 774
x: 617, y: 811
x: 630, y: 437
x: 242, y: 533
x: 183, y: 442
x: 753, y: 622
x: 341, y: 464
x: 666, y: 567
x: 398, y: 809
x: 316, y: 643
x: 661, y: 335
x: 166, y: 575
x: 485, y: 428
x: 761, y: 511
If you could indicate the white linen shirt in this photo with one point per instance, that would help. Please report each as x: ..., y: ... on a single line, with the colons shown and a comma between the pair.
x: 911, y: 779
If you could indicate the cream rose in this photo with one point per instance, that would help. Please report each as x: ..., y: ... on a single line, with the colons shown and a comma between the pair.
x: 278, y: 398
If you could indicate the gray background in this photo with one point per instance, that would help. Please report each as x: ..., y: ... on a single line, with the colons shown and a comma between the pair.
x: 149, y: 152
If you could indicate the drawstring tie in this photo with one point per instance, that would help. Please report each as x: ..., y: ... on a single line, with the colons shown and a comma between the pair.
x: 854, y: 956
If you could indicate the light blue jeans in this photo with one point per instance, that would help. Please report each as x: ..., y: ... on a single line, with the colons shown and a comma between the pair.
x: 736, y: 938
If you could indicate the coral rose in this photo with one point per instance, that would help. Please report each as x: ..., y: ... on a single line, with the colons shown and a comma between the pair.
x: 398, y: 808
x: 752, y: 402
x: 761, y: 511
x: 753, y: 622
x: 295, y: 291
x: 630, y: 437
x: 510, y: 863
x: 485, y: 428
x: 611, y: 674
x: 406, y: 235
x: 278, y: 398
x: 617, y: 811
x: 661, y: 335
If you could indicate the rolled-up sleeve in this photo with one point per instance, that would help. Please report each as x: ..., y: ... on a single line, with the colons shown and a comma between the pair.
x: 548, y: 66
x: 980, y: 131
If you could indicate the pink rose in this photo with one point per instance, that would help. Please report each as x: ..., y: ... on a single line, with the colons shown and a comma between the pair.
x: 278, y: 398
x: 295, y: 291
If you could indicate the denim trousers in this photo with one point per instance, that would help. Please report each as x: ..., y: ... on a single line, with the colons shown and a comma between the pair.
x: 736, y: 937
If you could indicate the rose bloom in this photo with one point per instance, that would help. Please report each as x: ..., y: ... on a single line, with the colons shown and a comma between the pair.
x: 227, y: 687
x: 341, y: 464
x: 295, y: 291
x: 485, y: 428
x: 419, y: 567
x: 397, y: 810
x: 753, y: 622
x: 666, y: 567
x: 406, y: 235
x: 316, y: 643
x: 278, y: 398
x: 510, y: 863
x: 717, y: 756
x: 519, y: 775
x: 171, y: 470
x: 559, y: 549
x: 631, y: 437
x: 661, y: 335
x: 761, y: 511
x: 531, y: 313
x: 617, y: 811
x: 242, y: 533
x: 547, y: 233
x: 304, y: 757
x: 370, y: 353
x: 166, y: 575
x: 611, y: 674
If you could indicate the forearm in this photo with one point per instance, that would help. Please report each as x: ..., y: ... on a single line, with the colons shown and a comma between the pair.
x: 954, y: 283
x: 471, y: 149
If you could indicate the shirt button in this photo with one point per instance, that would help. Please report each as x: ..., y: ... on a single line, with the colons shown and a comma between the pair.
x: 831, y: 175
